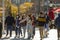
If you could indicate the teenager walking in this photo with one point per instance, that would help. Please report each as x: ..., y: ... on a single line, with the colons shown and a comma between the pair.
x: 41, y: 22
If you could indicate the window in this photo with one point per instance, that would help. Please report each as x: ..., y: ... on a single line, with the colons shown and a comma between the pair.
x: 0, y: 3
x: 28, y: 0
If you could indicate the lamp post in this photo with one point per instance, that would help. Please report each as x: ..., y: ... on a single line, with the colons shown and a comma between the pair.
x: 3, y: 16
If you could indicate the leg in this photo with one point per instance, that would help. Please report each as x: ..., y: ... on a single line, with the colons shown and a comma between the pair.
x: 20, y: 31
x: 0, y: 33
x: 46, y: 30
x: 33, y: 30
x: 16, y: 31
x: 11, y: 31
x: 28, y: 30
x: 41, y: 32
x: 58, y: 34
x: 7, y: 31
x: 24, y: 30
x: 29, y: 34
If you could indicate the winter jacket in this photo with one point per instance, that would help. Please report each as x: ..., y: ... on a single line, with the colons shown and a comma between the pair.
x: 51, y: 14
x: 17, y: 22
x: 9, y: 20
x: 57, y: 21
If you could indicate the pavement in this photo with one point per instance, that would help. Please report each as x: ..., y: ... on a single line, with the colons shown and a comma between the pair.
x: 52, y: 36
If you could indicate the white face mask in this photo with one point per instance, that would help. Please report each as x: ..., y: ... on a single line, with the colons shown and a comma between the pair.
x: 17, y: 16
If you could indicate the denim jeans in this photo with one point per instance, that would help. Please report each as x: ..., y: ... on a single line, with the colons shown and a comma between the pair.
x: 24, y: 30
x: 9, y: 28
x: 47, y: 26
x: 34, y: 30
x: 30, y: 30
x: 18, y: 31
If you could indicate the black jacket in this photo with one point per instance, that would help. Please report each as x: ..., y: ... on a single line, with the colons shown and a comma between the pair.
x: 9, y: 20
x: 47, y: 19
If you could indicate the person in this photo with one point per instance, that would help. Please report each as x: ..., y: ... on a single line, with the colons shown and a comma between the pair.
x: 29, y: 27
x: 18, y: 26
x: 51, y: 16
x: 33, y: 24
x: 24, y: 22
x: 57, y: 23
x: 47, y: 25
x: 0, y: 28
x: 9, y: 23
x: 41, y: 22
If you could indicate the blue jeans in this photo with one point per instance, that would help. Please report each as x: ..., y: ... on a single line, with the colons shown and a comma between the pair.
x: 24, y: 30
x: 47, y: 26
x: 9, y: 28
x: 30, y: 30
x: 18, y: 31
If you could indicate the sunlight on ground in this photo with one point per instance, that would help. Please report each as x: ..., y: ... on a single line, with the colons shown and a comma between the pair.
x: 52, y: 35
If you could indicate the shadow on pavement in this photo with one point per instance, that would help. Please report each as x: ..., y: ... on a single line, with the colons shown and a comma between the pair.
x: 20, y: 39
x: 8, y: 38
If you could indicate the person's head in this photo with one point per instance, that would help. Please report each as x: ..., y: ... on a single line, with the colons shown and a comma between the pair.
x: 50, y: 8
x: 10, y: 14
x: 46, y: 14
x: 42, y: 14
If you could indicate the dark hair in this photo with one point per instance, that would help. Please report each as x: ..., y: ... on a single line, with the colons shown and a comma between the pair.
x: 10, y: 14
x: 41, y: 12
x: 51, y: 1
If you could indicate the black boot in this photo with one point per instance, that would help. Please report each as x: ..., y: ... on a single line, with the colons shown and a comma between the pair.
x: 29, y: 37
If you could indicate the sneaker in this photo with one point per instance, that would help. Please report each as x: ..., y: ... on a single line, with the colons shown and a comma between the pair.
x: 6, y: 35
x: 41, y: 39
x: 32, y: 37
x: 15, y: 36
x: 10, y: 36
x: 19, y: 36
x: 29, y: 37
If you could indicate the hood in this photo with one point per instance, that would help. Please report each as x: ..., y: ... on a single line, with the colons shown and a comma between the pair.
x: 59, y: 15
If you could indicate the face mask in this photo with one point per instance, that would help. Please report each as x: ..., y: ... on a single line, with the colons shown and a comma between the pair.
x: 17, y: 16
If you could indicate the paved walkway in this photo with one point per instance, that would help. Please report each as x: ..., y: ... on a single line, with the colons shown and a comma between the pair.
x: 52, y: 36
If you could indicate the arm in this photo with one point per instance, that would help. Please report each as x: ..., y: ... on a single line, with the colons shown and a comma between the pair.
x: 23, y: 20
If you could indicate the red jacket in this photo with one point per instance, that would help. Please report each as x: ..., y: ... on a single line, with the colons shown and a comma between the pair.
x: 51, y: 14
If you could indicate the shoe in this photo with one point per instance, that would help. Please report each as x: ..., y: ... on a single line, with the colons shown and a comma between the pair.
x: 41, y: 39
x: 6, y: 35
x: 58, y: 38
x: 32, y: 37
x: 15, y: 36
x: 10, y: 36
x: 19, y: 36
x: 29, y: 37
